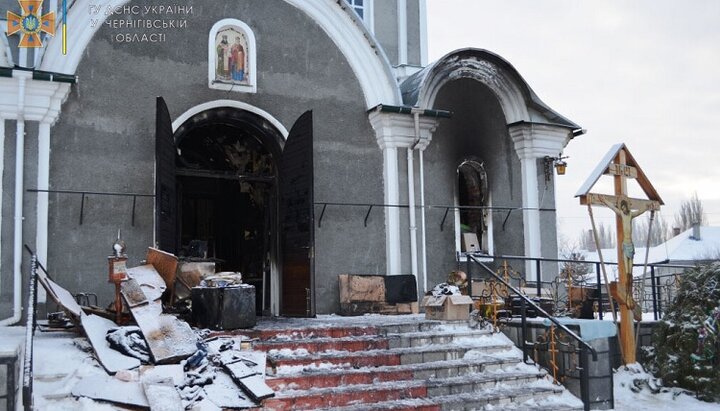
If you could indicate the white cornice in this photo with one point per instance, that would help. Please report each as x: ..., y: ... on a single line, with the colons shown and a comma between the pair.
x: 42, y: 99
x: 393, y: 130
x: 534, y: 140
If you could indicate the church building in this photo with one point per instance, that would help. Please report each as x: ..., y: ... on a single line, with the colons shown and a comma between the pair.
x: 289, y: 140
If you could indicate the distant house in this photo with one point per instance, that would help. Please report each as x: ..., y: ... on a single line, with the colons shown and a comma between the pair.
x: 696, y: 245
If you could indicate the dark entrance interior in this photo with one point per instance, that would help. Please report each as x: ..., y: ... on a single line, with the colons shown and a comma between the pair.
x: 226, y: 177
x: 231, y: 189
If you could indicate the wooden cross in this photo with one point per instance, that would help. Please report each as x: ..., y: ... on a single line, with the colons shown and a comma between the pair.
x: 620, y: 164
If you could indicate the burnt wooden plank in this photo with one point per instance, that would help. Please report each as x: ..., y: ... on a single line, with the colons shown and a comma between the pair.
x: 132, y: 293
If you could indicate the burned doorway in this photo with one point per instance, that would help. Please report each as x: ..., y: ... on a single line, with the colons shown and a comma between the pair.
x: 225, y: 169
x: 231, y: 189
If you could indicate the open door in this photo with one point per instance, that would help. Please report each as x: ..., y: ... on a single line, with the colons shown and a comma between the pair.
x: 297, y: 221
x: 165, y: 190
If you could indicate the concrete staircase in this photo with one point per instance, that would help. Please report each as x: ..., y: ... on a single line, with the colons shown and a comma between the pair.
x: 427, y: 365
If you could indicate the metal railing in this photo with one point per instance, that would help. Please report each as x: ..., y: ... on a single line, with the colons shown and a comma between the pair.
x: 653, y: 280
x: 583, y: 346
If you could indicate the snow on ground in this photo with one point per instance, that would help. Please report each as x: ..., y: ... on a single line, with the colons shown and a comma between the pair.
x: 60, y: 363
x: 633, y: 392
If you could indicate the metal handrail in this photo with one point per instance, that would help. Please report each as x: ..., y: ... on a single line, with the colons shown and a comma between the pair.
x: 653, y: 279
x: 583, y: 346
x: 537, y: 307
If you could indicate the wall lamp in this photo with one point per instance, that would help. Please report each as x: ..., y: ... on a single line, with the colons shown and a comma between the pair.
x: 558, y: 162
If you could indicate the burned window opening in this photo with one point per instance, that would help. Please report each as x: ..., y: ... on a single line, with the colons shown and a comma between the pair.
x: 473, y: 192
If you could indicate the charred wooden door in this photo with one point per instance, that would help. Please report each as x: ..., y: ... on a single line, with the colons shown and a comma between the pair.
x: 165, y: 190
x: 297, y: 220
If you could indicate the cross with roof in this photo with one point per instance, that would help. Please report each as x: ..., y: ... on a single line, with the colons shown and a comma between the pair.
x: 30, y: 23
x: 621, y: 165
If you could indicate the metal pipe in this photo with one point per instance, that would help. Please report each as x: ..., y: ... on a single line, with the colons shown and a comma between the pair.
x: 422, y: 221
x: 17, y: 238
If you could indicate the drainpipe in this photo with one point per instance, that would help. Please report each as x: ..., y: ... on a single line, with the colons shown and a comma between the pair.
x: 411, y: 208
x: 411, y: 199
x: 19, y: 177
x: 423, y: 241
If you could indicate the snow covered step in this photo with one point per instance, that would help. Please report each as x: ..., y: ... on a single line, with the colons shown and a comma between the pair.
x: 377, y: 358
x: 333, y: 397
x: 421, y: 371
x: 503, y: 398
x: 315, y: 345
x: 289, y: 334
x: 440, y: 336
x: 299, y: 333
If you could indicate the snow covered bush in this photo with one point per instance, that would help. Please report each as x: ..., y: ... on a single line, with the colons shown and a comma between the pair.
x: 686, y: 341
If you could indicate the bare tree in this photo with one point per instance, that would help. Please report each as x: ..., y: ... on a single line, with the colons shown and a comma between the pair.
x: 691, y: 212
x: 576, y: 269
x: 659, y: 234
x: 605, y: 237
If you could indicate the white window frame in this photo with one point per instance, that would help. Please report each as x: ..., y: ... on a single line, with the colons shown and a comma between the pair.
x: 368, y: 10
x: 223, y: 24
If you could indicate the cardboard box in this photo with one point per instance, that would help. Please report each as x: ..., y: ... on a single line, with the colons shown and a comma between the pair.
x: 447, y: 307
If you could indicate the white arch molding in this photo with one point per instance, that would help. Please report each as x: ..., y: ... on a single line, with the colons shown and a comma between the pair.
x: 231, y: 104
x: 368, y: 62
x: 504, y: 87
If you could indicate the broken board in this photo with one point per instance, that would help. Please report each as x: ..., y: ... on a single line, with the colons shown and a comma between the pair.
x: 162, y: 395
x: 224, y: 393
x: 106, y: 388
x: 96, y: 329
x: 168, y: 338
x: 166, y: 265
x: 256, y: 387
x: 132, y: 293
x: 149, y: 281
x: 244, y: 371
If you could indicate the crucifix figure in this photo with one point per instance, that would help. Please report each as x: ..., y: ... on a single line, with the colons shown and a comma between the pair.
x: 619, y: 164
x: 621, y: 207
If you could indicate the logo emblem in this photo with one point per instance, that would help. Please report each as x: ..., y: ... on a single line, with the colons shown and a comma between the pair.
x: 30, y: 23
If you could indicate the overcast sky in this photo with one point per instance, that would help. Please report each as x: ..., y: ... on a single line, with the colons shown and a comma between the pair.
x: 642, y: 72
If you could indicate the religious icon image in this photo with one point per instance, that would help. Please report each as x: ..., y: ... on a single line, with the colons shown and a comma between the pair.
x: 231, y: 58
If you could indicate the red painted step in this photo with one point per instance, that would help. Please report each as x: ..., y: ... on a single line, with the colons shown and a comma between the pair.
x: 338, y: 397
x: 320, y: 380
x: 315, y: 345
x: 378, y: 359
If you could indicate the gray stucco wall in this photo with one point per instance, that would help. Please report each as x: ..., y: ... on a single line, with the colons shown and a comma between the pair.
x: 413, y: 32
x: 104, y: 140
x: 386, y: 28
x: 477, y: 129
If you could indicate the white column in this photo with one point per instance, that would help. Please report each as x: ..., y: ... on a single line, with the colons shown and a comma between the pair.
x: 531, y: 214
x: 533, y: 142
x: 43, y: 183
x: 392, y: 214
x: 395, y: 131
x: 402, y: 32
x: 2, y: 170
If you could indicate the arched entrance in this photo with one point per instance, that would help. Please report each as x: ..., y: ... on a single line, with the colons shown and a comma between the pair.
x: 222, y: 196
